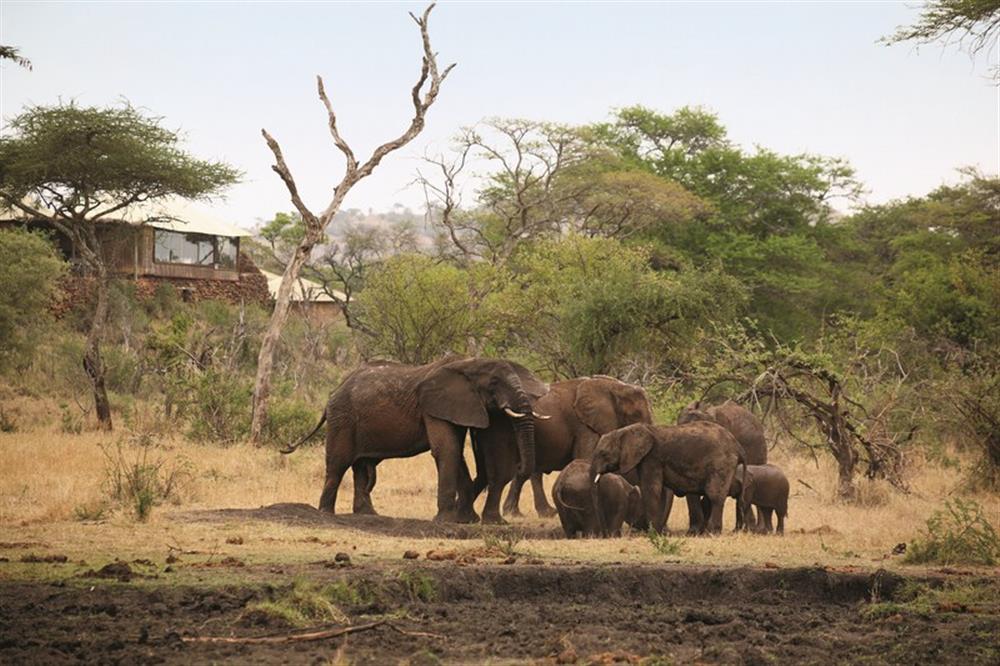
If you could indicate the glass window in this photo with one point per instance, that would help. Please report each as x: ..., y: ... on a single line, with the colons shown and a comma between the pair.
x: 172, y: 247
x: 227, y: 252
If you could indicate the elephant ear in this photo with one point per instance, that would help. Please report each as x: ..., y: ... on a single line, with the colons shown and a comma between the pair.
x: 637, y: 441
x: 448, y: 395
x: 595, y: 406
x: 532, y: 385
x: 633, y: 405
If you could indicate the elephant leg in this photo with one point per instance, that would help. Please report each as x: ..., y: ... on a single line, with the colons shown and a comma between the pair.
x: 696, y: 516
x: 339, y: 454
x: 738, y: 515
x: 446, y: 447
x: 510, y: 505
x: 667, y: 504
x: 364, y: 483
x: 714, y: 501
x: 542, y: 506
x: 781, y: 523
x: 765, y: 515
x: 652, y: 490
x: 749, y: 517
x: 466, y: 494
x: 501, y: 467
x: 717, y: 504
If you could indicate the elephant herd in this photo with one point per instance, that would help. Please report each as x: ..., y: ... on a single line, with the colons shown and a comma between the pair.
x: 616, y: 465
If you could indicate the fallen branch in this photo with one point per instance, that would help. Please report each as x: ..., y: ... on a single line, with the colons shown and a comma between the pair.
x: 307, y: 636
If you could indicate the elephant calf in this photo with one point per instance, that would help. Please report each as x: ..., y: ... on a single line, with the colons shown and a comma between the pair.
x: 617, y: 501
x: 766, y: 487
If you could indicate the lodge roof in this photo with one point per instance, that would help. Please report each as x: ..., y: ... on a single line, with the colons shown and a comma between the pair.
x: 302, y: 290
x: 173, y: 214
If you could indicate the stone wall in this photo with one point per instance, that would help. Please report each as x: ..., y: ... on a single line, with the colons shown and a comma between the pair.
x: 250, y: 288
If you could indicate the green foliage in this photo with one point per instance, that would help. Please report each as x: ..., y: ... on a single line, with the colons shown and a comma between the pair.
x: 419, y: 586
x: 301, y: 605
x: 415, y: 309
x: 30, y: 269
x: 118, y: 153
x: 664, y: 544
x: 959, y: 534
x: 589, y: 305
x: 287, y: 420
x: 217, y: 404
x: 925, y: 601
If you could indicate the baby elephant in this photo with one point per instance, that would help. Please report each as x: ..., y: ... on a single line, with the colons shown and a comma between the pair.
x: 767, y: 489
x: 617, y: 500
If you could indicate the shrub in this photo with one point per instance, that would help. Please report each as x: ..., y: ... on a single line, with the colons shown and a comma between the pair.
x: 29, y: 272
x: 138, y: 481
x: 504, y: 540
x: 218, y: 406
x: 958, y: 535
x: 663, y: 544
x: 301, y: 605
x: 288, y: 420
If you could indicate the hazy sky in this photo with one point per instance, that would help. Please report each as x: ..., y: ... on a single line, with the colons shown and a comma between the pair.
x: 791, y: 76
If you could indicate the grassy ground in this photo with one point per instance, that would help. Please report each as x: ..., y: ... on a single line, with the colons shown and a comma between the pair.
x: 55, y: 498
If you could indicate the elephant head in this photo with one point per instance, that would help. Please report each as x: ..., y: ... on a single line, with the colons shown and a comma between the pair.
x: 694, y: 412
x: 469, y: 392
x: 621, y: 450
x: 605, y: 403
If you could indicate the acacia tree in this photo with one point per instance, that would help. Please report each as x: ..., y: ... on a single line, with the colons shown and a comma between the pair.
x: 972, y: 24
x: 77, y: 168
x: 315, y: 224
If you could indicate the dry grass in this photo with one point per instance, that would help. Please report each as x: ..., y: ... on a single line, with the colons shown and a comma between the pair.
x: 46, y: 476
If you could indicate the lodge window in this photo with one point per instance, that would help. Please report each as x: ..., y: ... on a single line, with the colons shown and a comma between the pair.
x: 173, y: 247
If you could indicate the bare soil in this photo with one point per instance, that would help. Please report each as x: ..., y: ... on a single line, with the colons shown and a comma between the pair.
x: 501, y: 613
x: 306, y: 515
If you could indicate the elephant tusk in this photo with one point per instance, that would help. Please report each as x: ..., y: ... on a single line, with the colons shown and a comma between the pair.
x: 597, y: 478
x: 543, y: 417
x: 511, y: 413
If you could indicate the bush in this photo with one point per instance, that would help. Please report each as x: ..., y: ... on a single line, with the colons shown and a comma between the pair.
x: 29, y: 272
x: 218, y: 407
x: 301, y: 605
x: 958, y: 535
x: 137, y: 481
x: 288, y: 420
x: 663, y: 544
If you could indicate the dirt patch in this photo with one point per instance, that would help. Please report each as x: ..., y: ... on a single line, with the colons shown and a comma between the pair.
x: 468, y: 614
x: 306, y: 515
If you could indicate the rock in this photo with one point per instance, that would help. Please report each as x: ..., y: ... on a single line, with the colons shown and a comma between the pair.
x: 342, y: 557
x: 411, y: 555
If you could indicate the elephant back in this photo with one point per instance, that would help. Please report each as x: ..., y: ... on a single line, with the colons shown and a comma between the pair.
x: 745, y: 426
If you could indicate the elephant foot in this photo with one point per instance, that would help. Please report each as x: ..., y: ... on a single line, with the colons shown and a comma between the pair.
x: 545, y: 512
x: 491, y: 519
x: 367, y: 510
x: 469, y: 516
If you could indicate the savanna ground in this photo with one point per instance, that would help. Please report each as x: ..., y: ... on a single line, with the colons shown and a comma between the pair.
x: 237, y: 551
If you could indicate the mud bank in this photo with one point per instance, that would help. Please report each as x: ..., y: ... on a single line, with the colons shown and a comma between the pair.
x: 441, y: 612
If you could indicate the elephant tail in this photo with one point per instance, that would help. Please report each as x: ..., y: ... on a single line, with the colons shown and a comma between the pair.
x: 558, y: 497
x: 305, y: 439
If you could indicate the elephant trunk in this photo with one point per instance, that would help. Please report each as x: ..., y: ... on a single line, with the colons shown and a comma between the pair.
x: 524, y: 427
x: 595, y: 498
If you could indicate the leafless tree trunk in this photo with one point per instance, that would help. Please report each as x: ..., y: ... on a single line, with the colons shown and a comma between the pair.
x: 316, y: 224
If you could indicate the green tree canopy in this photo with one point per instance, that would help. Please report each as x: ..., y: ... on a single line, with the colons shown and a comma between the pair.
x: 29, y: 270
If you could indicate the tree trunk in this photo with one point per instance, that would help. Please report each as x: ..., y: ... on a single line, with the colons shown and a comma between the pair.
x: 265, y: 359
x: 93, y: 363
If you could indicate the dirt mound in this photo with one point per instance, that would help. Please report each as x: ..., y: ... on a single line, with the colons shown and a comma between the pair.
x: 304, y: 514
x: 440, y: 612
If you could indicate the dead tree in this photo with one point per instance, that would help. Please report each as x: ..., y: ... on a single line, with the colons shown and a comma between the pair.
x: 432, y: 78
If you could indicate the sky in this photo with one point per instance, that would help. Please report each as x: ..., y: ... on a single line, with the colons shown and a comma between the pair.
x: 789, y: 76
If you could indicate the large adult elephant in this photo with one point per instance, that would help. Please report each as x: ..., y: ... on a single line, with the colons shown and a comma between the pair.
x: 577, y: 412
x: 698, y: 459
x: 391, y: 410
x: 746, y: 428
